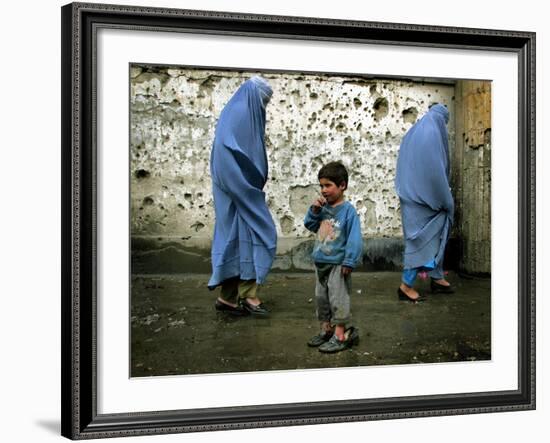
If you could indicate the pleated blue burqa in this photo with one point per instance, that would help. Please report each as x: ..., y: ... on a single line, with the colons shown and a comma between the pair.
x: 422, y: 184
x: 245, y: 237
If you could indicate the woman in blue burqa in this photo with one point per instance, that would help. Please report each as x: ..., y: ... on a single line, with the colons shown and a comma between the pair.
x: 427, y: 207
x: 245, y: 237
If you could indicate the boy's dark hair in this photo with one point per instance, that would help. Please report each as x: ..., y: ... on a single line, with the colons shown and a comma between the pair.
x: 336, y: 172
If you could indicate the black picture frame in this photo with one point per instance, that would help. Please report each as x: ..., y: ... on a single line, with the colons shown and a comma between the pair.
x: 79, y: 243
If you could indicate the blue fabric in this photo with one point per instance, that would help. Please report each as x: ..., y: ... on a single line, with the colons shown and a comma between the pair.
x: 409, y: 275
x: 245, y: 237
x: 422, y: 184
x: 338, y: 231
x: 437, y: 272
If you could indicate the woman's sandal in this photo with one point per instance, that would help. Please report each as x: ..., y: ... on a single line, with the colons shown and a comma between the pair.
x: 440, y: 289
x: 237, y: 311
x: 401, y: 295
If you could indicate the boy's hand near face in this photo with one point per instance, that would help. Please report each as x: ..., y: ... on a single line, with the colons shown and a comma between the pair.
x: 318, y: 203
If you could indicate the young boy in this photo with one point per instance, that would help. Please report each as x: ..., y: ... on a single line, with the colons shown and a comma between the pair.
x: 337, y: 250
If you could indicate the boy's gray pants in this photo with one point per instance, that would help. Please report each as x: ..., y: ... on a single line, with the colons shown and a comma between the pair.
x: 332, y: 294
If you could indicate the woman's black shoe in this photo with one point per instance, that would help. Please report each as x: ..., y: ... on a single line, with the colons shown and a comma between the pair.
x: 231, y: 310
x: 257, y: 310
x: 402, y: 296
x: 441, y: 289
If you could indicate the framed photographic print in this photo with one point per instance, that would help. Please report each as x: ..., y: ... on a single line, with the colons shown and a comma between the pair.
x: 197, y: 155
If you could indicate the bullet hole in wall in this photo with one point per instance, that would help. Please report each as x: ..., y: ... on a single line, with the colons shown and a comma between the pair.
x: 410, y: 115
x: 197, y: 226
x: 380, y: 108
x: 341, y: 127
x: 142, y: 173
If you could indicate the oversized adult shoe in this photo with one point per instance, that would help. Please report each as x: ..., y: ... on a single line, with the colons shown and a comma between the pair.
x: 319, y: 339
x: 351, y: 337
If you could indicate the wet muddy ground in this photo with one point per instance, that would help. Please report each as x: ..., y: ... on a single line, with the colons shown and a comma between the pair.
x: 176, y: 330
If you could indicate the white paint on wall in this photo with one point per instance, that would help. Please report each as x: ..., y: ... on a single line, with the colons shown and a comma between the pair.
x: 311, y: 120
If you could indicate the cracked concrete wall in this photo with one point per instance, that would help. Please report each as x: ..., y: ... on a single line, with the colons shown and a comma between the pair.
x: 311, y: 120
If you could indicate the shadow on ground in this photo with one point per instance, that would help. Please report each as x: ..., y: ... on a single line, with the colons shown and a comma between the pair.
x: 175, y: 329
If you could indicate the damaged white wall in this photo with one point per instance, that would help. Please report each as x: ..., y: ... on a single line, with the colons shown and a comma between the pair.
x: 311, y: 120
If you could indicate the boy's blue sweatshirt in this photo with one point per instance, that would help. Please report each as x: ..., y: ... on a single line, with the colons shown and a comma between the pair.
x: 338, y: 231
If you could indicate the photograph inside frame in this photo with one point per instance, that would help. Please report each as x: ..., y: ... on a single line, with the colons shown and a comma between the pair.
x: 298, y: 220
